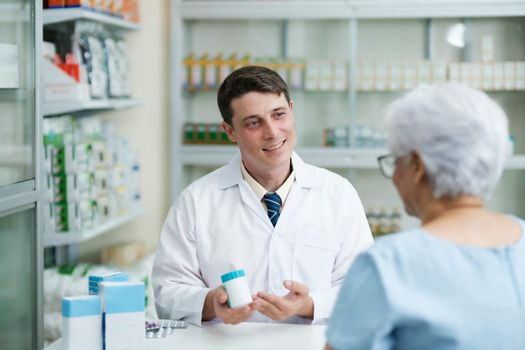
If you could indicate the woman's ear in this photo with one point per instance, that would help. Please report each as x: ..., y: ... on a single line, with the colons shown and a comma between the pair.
x: 418, y: 167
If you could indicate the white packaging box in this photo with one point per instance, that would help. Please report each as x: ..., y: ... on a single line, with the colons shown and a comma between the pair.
x: 520, y: 76
x: 409, y: 76
x: 366, y: 76
x: 394, y: 83
x: 509, y: 76
x: 81, y: 323
x: 296, y: 76
x: 340, y: 75
x: 311, y: 76
x: 196, y: 75
x: 224, y: 70
x: 499, y: 76
x: 424, y: 73
x: 487, y: 76
x: 9, y: 72
x: 59, y: 86
x: 476, y: 75
x: 123, y: 312
x: 326, y: 76
x: 454, y: 71
x: 381, y: 76
x: 111, y: 276
x: 210, y: 74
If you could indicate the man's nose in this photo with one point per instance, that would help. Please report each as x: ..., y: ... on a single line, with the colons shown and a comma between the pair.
x: 270, y: 129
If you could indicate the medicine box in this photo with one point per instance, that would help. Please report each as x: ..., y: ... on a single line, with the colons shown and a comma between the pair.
x: 123, y: 315
x: 81, y: 323
x: 113, y: 276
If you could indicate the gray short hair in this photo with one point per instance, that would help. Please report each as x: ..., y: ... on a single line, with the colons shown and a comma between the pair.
x: 460, y: 133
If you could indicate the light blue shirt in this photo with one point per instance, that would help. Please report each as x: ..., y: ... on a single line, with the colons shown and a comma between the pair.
x: 416, y: 291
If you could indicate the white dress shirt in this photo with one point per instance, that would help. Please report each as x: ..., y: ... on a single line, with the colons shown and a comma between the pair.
x: 218, y: 225
x: 260, y: 191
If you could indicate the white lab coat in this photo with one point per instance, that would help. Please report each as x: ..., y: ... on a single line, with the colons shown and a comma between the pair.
x: 218, y: 225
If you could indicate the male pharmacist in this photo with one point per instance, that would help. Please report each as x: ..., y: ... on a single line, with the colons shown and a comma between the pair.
x: 294, y: 228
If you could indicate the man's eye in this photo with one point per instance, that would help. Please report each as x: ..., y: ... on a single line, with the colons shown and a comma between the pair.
x: 251, y: 124
x: 280, y: 114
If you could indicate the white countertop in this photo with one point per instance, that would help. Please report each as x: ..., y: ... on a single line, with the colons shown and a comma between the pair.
x: 248, y: 335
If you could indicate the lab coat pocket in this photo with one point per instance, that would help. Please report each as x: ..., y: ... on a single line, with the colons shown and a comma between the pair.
x: 314, y: 258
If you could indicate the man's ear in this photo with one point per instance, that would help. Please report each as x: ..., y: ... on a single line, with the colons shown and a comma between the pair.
x: 228, y: 129
x: 418, y: 167
x: 291, y: 105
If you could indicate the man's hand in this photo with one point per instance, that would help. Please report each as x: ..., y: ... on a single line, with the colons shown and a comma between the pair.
x: 216, y: 305
x: 296, y: 303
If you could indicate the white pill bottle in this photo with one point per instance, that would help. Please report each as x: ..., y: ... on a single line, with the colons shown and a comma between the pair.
x: 236, y: 286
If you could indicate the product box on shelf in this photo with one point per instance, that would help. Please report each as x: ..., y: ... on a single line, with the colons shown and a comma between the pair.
x: 60, y: 86
x: 204, y: 133
x: 355, y: 136
x: 91, y: 174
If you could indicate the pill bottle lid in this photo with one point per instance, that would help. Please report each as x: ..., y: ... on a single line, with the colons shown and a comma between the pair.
x: 232, y: 275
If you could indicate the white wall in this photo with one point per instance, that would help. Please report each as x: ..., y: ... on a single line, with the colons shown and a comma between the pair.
x: 147, y: 127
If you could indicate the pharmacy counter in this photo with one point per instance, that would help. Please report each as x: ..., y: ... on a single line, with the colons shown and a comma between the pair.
x: 243, y: 336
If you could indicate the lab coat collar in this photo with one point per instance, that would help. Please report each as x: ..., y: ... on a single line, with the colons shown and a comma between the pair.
x: 305, y: 174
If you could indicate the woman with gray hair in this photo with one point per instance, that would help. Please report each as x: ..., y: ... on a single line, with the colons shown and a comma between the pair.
x: 458, y: 282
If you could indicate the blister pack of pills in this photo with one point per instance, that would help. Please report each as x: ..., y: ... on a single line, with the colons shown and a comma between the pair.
x: 161, y: 328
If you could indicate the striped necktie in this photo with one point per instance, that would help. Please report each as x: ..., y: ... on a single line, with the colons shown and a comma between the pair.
x: 273, y: 203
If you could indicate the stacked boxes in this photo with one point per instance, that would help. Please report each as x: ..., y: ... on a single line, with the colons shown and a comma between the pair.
x: 491, y: 76
x: 207, y: 72
x: 356, y: 136
x: 382, y: 222
x: 95, y: 280
x: 326, y: 75
x: 204, y: 133
x: 395, y: 76
x: 69, y: 179
x: 111, y: 319
x: 90, y: 176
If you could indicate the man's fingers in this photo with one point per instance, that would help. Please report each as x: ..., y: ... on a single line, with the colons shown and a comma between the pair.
x: 276, y: 301
x: 268, y: 309
x: 221, y: 296
x: 234, y: 316
x: 296, y: 287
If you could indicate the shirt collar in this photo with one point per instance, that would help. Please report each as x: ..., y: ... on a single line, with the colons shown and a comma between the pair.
x: 260, y: 191
x: 305, y: 175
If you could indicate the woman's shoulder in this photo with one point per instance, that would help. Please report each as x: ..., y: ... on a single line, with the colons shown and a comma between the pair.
x: 402, y: 248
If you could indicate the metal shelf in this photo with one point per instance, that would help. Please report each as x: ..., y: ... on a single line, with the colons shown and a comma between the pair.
x: 329, y: 157
x: 55, y: 16
x: 347, y: 9
x: 216, y: 155
x: 66, y: 238
x: 69, y: 107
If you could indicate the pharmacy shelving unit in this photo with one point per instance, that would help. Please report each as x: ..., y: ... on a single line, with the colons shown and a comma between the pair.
x: 60, y: 16
x: 56, y: 108
x: 66, y: 18
x: 356, y: 31
x: 67, y: 238
x: 332, y: 157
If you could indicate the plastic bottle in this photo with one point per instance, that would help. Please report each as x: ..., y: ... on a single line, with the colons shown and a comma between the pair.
x: 236, y: 286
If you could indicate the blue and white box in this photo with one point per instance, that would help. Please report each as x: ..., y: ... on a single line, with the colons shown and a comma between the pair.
x: 113, y: 276
x: 81, y: 323
x: 123, y: 309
